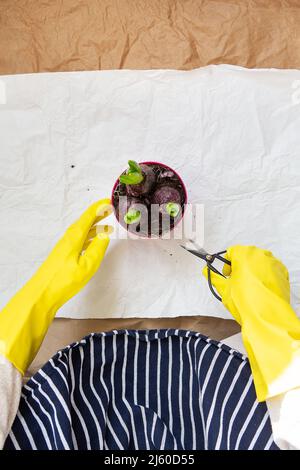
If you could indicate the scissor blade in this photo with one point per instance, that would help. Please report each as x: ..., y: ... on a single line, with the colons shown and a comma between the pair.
x: 190, y: 244
x: 197, y: 247
x: 199, y: 253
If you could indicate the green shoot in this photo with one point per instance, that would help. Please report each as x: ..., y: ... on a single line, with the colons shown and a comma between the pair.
x: 134, y: 167
x: 133, y: 175
x: 172, y: 209
x: 132, y: 217
x: 132, y: 178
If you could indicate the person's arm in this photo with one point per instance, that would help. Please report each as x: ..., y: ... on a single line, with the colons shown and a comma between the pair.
x: 24, y: 321
x: 284, y: 409
x: 10, y: 391
x: 257, y: 294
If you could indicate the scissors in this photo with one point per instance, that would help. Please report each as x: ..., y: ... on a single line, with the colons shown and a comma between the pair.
x: 209, y: 259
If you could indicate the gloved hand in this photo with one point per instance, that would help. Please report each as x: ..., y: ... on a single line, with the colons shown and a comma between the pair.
x: 257, y: 294
x: 71, y: 264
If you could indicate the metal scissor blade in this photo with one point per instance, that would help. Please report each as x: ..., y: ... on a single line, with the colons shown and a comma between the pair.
x: 199, y: 253
x: 196, y: 248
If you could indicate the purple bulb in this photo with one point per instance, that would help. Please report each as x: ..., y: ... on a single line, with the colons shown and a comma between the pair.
x: 168, y: 199
x: 166, y: 194
x: 143, y: 188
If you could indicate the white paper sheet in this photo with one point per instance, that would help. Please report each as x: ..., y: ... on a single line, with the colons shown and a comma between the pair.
x: 232, y: 134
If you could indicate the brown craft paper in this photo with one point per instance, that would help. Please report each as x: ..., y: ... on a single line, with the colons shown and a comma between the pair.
x: 67, y: 35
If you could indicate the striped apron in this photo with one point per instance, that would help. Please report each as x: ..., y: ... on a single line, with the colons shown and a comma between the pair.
x: 154, y: 389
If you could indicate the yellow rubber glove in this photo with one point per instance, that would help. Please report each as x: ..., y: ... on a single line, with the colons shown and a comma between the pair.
x: 257, y: 294
x: 71, y: 264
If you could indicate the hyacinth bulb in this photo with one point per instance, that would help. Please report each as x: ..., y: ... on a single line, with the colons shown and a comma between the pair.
x: 139, y: 179
x: 168, y: 199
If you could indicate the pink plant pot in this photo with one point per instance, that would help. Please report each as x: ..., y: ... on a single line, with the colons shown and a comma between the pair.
x: 183, y: 206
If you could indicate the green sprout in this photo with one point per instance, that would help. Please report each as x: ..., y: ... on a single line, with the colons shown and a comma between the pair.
x: 133, y: 216
x: 133, y: 175
x: 172, y: 209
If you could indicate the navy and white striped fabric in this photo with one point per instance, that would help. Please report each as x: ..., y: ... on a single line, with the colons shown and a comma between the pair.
x: 155, y: 389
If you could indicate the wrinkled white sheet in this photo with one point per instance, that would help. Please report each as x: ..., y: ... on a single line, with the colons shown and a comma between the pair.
x: 233, y: 134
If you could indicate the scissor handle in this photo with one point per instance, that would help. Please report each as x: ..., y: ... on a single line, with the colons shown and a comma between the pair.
x: 209, y: 268
x: 212, y: 268
x: 221, y: 258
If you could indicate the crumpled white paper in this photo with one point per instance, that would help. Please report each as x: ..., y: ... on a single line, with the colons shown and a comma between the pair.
x: 232, y: 134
